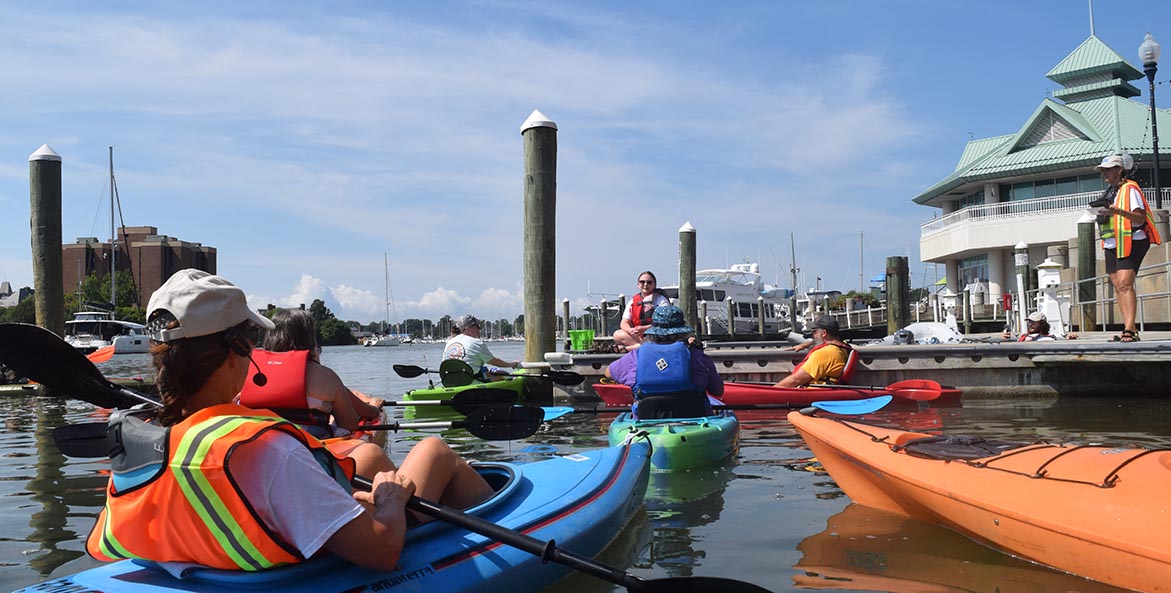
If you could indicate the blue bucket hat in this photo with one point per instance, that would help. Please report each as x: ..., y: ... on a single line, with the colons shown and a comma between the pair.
x: 668, y: 321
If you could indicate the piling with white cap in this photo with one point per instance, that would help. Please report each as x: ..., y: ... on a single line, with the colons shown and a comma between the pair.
x: 1087, y: 258
x: 686, y: 299
x: 539, y: 135
x: 44, y: 183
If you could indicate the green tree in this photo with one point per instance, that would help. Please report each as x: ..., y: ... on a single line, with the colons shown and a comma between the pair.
x: 519, y: 325
x: 22, y: 312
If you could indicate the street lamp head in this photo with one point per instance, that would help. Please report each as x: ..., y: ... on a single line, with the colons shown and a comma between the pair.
x: 1148, y: 52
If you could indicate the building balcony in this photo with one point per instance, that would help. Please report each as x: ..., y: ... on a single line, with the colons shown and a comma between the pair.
x: 987, y: 227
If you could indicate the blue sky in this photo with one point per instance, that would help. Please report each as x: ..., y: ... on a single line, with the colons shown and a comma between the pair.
x: 304, y: 140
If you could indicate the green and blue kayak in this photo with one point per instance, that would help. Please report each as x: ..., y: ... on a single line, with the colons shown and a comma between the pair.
x: 679, y: 444
x: 442, y: 393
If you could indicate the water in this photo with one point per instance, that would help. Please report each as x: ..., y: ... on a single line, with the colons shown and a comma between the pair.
x: 769, y: 517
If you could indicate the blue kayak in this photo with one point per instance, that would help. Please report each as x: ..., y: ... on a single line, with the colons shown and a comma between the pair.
x: 681, y: 443
x: 582, y: 501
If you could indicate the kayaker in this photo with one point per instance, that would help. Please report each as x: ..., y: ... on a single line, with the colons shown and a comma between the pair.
x: 212, y: 483
x: 669, y: 375
x: 298, y: 386
x: 468, y: 347
x: 1127, y: 230
x: 637, y: 318
x: 826, y: 359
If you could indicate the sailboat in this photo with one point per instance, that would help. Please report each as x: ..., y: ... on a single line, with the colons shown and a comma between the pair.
x: 386, y: 337
x: 96, y: 328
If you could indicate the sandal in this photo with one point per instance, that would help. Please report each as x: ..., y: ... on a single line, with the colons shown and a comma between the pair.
x: 1127, y: 336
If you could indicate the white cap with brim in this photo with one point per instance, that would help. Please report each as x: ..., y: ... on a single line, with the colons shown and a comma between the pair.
x: 1037, y: 316
x: 1110, y: 162
x: 203, y: 304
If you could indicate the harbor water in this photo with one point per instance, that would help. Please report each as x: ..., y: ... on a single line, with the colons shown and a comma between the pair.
x: 770, y: 516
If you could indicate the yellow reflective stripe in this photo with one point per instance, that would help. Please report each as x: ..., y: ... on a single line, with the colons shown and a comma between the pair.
x: 201, y: 495
x: 109, y: 544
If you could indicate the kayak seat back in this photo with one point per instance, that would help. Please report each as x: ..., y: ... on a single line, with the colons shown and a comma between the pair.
x: 454, y: 372
x: 678, y: 405
x: 847, y: 376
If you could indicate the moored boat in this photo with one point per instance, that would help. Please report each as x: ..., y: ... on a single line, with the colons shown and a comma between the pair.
x: 679, y: 444
x: 1096, y: 511
x: 90, y: 330
x: 582, y: 501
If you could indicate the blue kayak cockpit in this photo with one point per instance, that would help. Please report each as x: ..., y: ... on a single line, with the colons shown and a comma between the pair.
x: 504, y: 478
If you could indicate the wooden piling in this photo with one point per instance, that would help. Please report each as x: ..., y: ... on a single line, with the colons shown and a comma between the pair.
x: 1087, y: 256
x: 898, y: 294
x: 540, y: 234
x: 731, y: 318
x: 44, y: 181
x: 687, y: 298
x: 565, y: 314
x: 760, y: 315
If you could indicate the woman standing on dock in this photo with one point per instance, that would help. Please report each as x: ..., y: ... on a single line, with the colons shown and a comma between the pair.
x: 636, y: 319
x: 1127, y: 231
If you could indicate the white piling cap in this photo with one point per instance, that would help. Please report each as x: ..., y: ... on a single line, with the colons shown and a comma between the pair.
x: 687, y: 228
x: 537, y: 120
x: 1087, y: 216
x: 44, y: 153
x: 1021, y: 245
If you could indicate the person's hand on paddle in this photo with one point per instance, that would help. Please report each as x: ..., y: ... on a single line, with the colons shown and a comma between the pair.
x: 389, y: 494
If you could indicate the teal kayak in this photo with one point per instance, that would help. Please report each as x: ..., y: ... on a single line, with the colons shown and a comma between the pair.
x: 582, y: 501
x: 681, y: 443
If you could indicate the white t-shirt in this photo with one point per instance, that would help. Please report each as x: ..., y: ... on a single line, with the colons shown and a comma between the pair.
x: 1132, y: 200
x: 468, y: 349
x: 656, y: 299
x: 287, y: 487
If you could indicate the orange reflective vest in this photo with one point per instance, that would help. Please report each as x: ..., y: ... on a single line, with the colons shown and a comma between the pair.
x: 1120, y: 228
x: 182, y: 505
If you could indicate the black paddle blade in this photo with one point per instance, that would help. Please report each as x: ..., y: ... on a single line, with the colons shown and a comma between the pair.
x: 82, y: 440
x: 694, y: 585
x: 408, y: 371
x: 503, y: 423
x: 42, y: 356
x: 469, y: 400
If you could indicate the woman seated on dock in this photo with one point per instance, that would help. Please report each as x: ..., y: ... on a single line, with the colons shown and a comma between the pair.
x: 637, y: 318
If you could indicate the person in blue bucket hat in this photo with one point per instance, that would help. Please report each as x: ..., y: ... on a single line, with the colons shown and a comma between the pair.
x: 670, y: 377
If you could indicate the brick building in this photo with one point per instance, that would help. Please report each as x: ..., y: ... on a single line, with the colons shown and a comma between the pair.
x: 151, y: 257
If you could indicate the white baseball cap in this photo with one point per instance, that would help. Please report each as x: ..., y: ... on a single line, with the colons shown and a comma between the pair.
x: 1037, y: 316
x: 203, y: 304
x: 1116, y: 160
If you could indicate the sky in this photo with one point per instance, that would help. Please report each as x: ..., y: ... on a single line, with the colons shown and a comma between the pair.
x: 306, y: 140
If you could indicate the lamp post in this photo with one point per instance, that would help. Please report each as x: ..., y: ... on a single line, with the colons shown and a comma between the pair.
x: 1148, y: 52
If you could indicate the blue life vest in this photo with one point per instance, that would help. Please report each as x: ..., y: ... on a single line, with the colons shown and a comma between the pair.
x: 664, y: 369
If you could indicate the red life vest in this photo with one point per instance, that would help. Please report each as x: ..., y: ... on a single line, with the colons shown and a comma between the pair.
x: 189, y: 509
x: 642, y: 309
x: 845, y: 347
x: 285, y: 390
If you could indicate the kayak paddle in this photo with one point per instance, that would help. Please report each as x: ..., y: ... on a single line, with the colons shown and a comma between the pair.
x: 467, y: 400
x: 548, y: 551
x: 914, y: 389
x: 42, y: 356
x: 101, y: 354
x: 411, y: 371
x: 492, y: 423
x: 856, y: 406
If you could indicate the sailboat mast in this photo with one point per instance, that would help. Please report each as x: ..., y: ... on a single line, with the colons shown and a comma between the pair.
x: 113, y: 238
x: 386, y: 281
x: 860, y: 261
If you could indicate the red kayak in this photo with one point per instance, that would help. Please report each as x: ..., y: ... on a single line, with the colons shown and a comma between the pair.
x: 736, y: 394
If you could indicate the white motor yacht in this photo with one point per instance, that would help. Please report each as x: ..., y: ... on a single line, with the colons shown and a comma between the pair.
x: 91, y: 330
x: 742, y: 285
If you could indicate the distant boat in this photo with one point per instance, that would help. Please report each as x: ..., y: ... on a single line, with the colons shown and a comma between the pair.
x: 386, y: 337
x: 742, y: 285
x: 91, y: 330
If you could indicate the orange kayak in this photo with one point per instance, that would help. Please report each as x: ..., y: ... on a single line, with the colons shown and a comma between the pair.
x: 1095, y: 511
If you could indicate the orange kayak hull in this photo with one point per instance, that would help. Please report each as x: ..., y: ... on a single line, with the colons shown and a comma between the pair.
x: 1045, y: 503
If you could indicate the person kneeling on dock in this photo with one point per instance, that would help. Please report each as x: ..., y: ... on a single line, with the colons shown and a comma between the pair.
x: 669, y: 375
x: 826, y: 360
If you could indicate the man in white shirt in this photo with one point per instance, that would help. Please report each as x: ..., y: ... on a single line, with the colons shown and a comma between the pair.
x: 468, y: 347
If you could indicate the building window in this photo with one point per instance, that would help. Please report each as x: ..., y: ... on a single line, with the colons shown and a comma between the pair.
x: 1090, y: 183
x: 973, y: 269
x: 972, y: 199
x: 1066, y: 186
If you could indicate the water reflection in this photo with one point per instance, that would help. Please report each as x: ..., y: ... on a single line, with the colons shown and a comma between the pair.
x: 677, y: 503
x: 863, y: 549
